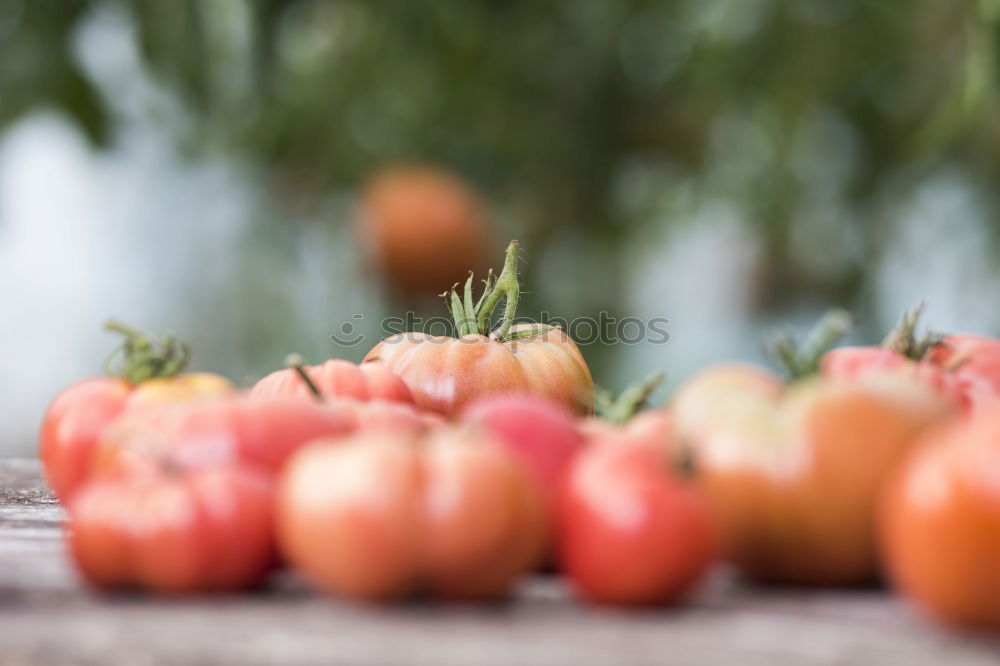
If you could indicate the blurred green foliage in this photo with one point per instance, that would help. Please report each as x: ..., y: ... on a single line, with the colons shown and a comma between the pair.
x: 593, y: 121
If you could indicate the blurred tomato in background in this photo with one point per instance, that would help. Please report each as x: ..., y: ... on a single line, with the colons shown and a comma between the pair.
x: 424, y: 229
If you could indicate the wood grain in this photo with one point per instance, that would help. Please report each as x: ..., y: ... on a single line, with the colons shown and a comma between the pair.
x: 47, y: 617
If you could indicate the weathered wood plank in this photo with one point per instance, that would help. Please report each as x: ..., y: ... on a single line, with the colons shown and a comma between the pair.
x: 48, y: 617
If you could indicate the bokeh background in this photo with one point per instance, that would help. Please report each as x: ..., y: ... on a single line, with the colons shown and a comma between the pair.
x: 732, y: 165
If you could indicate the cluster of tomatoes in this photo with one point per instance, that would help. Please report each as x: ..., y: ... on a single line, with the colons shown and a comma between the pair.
x: 451, y: 467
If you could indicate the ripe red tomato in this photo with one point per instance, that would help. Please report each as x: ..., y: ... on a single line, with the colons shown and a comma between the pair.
x: 79, y: 415
x: 792, y: 472
x: 446, y: 374
x: 630, y: 531
x: 336, y: 378
x: 384, y: 514
x: 206, y: 530
x: 543, y: 434
x: 940, y: 524
x: 256, y: 432
x: 423, y: 229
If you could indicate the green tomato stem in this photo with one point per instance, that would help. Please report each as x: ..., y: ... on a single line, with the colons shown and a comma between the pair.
x: 619, y: 409
x: 142, y: 358
x: 507, y: 287
x: 903, y: 339
x: 803, y: 360
x: 474, y: 318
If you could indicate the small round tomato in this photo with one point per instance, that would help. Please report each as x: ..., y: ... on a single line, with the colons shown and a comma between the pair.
x: 423, y: 229
x: 940, y: 524
x: 207, y: 530
x: 78, y: 416
x: 335, y: 378
x: 446, y: 374
x: 630, y: 531
x: 384, y: 514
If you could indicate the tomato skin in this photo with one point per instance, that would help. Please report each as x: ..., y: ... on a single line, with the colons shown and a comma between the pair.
x: 208, y: 530
x: 256, y: 432
x: 630, y: 532
x: 446, y: 374
x: 974, y: 362
x: 852, y: 363
x: 792, y: 476
x: 724, y: 389
x: 650, y: 427
x: 383, y: 514
x: 72, y: 426
x: 542, y: 434
x: 423, y: 229
x: 79, y: 415
x: 336, y: 378
x: 940, y: 524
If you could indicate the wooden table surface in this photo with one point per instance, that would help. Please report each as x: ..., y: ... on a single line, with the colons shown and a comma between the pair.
x: 47, y: 617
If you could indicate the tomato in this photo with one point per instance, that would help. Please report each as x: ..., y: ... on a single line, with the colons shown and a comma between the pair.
x: 965, y: 368
x: 940, y: 524
x: 446, y: 374
x: 201, y: 531
x: 855, y: 362
x: 650, y: 427
x: 974, y: 362
x: 257, y: 432
x: 542, y: 434
x: 628, y: 414
x: 336, y: 378
x: 390, y: 415
x: 423, y: 229
x: 630, y: 531
x: 79, y: 415
x: 792, y: 471
x: 385, y: 514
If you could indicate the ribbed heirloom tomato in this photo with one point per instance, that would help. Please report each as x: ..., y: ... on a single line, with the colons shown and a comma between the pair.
x: 385, y: 514
x: 445, y: 374
x: 792, y: 471
x: 336, y: 378
x: 203, y: 530
x: 940, y: 524
x: 149, y: 373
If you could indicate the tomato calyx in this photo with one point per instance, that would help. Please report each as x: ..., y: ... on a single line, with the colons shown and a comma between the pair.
x: 904, y: 341
x: 141, y: 357
x: 618, y: 409
x: 802, y: 359
x: 473, y: 317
